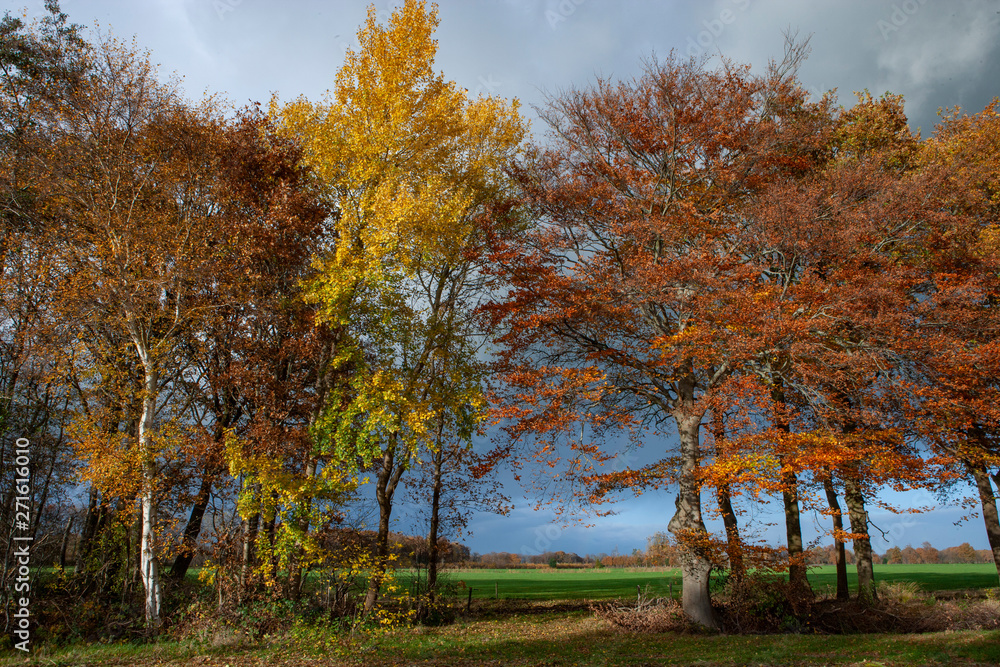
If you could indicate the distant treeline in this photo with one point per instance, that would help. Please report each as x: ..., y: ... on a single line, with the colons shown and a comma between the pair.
x: 668, y: 555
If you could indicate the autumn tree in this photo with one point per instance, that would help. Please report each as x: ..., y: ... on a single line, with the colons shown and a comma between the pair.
x: 957, y: 341
x: 38, y: 63
x: 410, y: 165
x: 129, y: 168
x: 622, y: 300
x: 832, y: 242
x: 257, y: 353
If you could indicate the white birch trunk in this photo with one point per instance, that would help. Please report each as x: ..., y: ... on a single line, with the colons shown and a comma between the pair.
x: 148, y: 565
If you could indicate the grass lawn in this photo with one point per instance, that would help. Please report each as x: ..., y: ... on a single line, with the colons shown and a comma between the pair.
x: 559, y: 638
x: 566, y: 584
x: 944, y: 577
x: 541, y: 633
x: 580, y: 639
x: 575, y: 584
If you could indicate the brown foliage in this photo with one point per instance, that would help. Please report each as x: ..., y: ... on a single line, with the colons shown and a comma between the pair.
x: 648, y: 615
x: 763, y: 604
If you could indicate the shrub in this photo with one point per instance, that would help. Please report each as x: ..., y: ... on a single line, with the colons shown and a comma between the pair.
x: 898, y: 592
x: 649, y: 614
x: 762, y: 603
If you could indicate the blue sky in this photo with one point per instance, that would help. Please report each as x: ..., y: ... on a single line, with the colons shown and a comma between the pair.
x: 937, y: 54
x: 529, y: 531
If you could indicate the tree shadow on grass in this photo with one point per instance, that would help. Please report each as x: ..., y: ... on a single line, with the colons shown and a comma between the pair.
x: 605, y: 646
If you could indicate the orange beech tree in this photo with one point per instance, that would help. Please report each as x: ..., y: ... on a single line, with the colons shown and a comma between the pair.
x: 892, y: 210
x: 834, y: 246
x: 629, y: 301
x: 958, y: 345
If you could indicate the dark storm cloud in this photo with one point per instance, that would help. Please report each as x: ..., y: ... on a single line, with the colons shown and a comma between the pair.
x: 936, y: 54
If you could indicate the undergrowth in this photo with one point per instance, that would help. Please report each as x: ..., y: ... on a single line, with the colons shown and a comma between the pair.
x: 767, y: 604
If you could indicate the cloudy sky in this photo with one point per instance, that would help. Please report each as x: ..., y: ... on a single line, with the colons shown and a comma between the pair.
x: 937, y: 53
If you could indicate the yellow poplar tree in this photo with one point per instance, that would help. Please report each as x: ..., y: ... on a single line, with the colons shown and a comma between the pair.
x: 413, y: 167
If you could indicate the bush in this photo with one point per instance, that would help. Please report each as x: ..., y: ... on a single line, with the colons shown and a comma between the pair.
x: 902, y: 607
x: 763, y: 604
x: 648, y: 615
x: 899, y: 592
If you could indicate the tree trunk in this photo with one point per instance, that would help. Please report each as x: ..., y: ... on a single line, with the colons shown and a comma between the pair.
x: 381, y: 544
x: 687, y: 524
x: 385, y: 487
x: 790, y: 500
x: 65, y: 544
x: 793, y: 532
x: 734, y: 546
x: 44, y: 497
x: 987, y: 499
x: 99, y: 514
x: 149, y: 567
x: 271, y: 533
x: 89, y: 530
x: 295, y: 573
x: 193, y: 528
x: 862, y: 543
x: 432, y: 535
x: 250, y: 527
x: 843, y: 593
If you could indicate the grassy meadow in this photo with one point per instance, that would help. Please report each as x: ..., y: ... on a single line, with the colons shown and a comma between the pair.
x: 560, y: 638
x: 606, y: 583
x: 542, y: 619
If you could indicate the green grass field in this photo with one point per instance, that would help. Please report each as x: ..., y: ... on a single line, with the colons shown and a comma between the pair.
x: 576, y: 584
x: 552, y: 634
x: 942, y: 577
x: 574, y: 638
